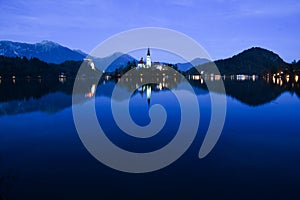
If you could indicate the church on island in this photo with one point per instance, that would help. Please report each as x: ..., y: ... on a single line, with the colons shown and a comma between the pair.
x: 148, y: 64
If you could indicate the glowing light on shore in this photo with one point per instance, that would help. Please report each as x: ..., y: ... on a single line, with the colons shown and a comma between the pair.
x: 196, y: 77
x: 287, y: 77
x: 241, y: 77
x: 217, y: 77
x: 296, y: 78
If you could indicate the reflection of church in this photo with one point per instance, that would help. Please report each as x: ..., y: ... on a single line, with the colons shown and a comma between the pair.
x: 148, y: 89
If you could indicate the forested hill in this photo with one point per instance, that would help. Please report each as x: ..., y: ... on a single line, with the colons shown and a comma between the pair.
x: 256, y: 60
x: 23, y: 67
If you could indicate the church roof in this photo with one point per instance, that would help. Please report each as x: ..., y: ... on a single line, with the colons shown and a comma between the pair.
x: 141, y: 61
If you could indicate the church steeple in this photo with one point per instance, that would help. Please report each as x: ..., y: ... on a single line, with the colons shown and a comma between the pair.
x: 148, y: 59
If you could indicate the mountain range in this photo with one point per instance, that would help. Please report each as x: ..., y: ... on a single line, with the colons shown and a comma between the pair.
x: 52, y: 52
x: 47, y: 51
x: 255, y: 60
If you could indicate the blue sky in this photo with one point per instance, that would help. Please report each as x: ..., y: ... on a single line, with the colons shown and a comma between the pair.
x: 222, y: 27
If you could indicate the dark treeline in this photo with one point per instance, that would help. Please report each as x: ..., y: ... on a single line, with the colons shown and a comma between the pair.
x: 33, y: 68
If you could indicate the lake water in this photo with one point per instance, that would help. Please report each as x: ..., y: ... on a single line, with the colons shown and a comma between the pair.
x: 257, y: 155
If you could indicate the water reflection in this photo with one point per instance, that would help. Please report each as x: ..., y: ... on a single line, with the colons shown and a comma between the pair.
x: 252, y: 151
x: 18, y: 96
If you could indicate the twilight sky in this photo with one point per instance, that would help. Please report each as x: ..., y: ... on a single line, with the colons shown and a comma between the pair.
x: 222, y: 27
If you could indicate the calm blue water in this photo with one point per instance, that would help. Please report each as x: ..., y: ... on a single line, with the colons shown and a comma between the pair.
x: 257, y: 155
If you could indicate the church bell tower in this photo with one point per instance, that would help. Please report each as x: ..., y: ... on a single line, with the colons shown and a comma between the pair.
x: 148, y: 59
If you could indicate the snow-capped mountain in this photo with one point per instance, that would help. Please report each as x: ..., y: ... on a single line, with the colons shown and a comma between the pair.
x: 47, y: 51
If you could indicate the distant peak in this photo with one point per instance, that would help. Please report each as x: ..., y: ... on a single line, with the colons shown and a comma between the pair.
x: 47, y: 42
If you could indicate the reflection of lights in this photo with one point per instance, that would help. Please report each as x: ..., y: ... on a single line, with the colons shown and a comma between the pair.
x: 160, y: 87
x: 141, y: 79
x: 62, y: 77
x: 253, y: 77
x: 13, y: 79
x: 281, y: 82
x: 62, y: 80
x: 287, y: 77
x: 211, y: 78
x: 148, y: 92
x: 93, y: 88
x: 296, y: 78
x: 92, y: 91
x: 241, y: 77
x: 92, y: 65
x: 201, y: 81
x: 274, y: 80
x: 107, y: 77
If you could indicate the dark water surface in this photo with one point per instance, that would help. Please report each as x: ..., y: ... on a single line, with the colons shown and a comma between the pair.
x: 257, y: 155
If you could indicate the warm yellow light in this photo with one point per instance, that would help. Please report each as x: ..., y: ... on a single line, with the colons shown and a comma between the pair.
x: 195, y: 77
x: 217, y: 77
x: 296, y: 78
